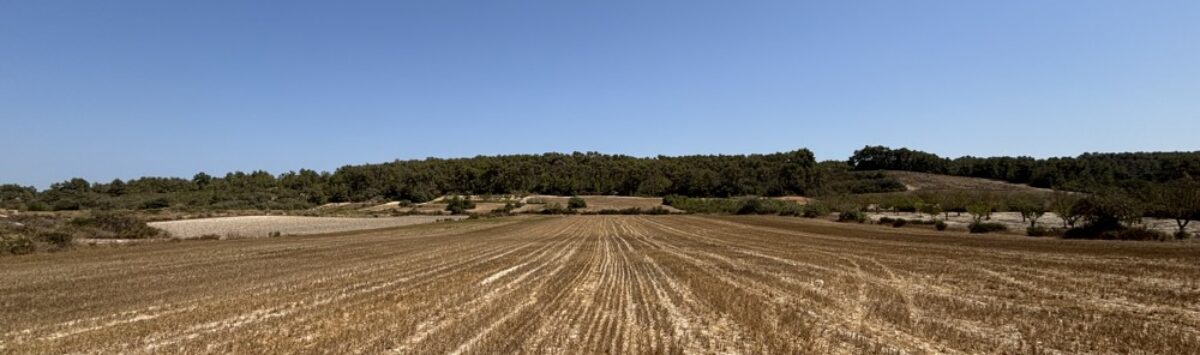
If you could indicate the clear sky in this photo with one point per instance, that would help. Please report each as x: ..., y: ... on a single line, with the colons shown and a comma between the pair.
x: 120, y: 89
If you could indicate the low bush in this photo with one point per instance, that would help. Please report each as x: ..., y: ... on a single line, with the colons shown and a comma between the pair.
x: 115, y: 225
x: 459, y: 205
x: 634, y: 211
x: 16, y: 244
x: 556, y: 208
x: 59, y: 239
x: 852, y: 216
x: 899, y: 222
x: 940, y: 225
x: 576, y: 202
x: 1035, y: 231
x: 985, y: 227
x: 508, y: 208
x: 742, y: 205
x: 1091, y: 231
x: 1142, y: 234
x: 815, y: 209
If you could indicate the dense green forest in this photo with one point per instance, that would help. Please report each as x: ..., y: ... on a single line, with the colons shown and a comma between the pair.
x: 1087, y: 172
x: 787, y: 173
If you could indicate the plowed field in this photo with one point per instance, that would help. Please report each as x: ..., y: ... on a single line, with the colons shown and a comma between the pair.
x: 609, y: 284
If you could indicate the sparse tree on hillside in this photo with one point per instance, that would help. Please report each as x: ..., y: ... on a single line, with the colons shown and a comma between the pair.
x: 1179, y: 200
x: 978, y: 211
x: 1064, y: 204
x: 1033, y: 212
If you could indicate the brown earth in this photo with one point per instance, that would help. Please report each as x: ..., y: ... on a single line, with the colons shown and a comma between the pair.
x: 609, y: 284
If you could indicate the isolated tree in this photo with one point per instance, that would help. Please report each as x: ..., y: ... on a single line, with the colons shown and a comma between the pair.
x: 1179, y: 200
x: 978, y: 211
x: 201, y: 180
x: 1064, y: 204
x: 920, y: 206
x: 576, y: 202
x: 459, y: 205
x: 1033, y: 212
x: 932, y: 209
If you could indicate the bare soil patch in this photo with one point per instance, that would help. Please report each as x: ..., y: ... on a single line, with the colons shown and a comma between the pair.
x: 261, y: 226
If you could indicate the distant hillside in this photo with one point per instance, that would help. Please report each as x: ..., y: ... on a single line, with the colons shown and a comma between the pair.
x: 916, y: 181
x: 1087, y: 172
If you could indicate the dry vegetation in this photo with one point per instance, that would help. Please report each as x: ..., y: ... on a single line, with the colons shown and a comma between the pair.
x: 597, y: 203
x: 615, y: 284
x: 927, y: 181
x: 261, y: 226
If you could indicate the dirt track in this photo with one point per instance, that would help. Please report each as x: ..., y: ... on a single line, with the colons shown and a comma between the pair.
x: 618, y: 284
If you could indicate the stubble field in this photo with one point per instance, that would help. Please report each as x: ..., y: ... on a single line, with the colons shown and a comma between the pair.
x: 609, y: 284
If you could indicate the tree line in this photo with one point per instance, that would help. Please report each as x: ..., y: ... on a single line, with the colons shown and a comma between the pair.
x: 786, y: 173
x: 778, y: 174
x: 1087, y: 172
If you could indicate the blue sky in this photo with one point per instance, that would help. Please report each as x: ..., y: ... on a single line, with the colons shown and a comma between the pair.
x: 120, y: 89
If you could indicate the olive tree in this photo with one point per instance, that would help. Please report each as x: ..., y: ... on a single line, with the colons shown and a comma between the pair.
x: 1065, y: 205
x: 1178, y: 200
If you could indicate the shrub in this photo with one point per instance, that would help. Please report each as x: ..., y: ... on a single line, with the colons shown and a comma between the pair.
x: 985, y: 227
x: 59, y: 239
x: 815, y: 209
x: 16, y: 244
x: 1090, y: 231
x: 1142, y: 234
x: 886, y: 220
x: 790, y: 212
x: 508, y: 208
x: 940, y: 225
x: 556, y: 208
x: 852, y: 216
x: 899, y: 222
x: 459, y: 205
x: 115, y: 225
x: 576, y: 202
x: 156, y: 203
x: 1036, y: 231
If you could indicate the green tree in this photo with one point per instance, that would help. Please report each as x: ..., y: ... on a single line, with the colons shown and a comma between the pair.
x: 1065, y: 205
x: 459, y: 205
x: 576, y: 202
x: 1178, y: 200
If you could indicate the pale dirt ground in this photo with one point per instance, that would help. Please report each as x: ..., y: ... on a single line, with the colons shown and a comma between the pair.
x: 925, y: 181
x: 261, y: 226
x: 1012, y: 220
x: 610, y: 284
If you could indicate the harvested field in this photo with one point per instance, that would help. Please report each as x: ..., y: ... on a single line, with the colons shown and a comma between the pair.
x: 261, y: 226
x: 610, y: 284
